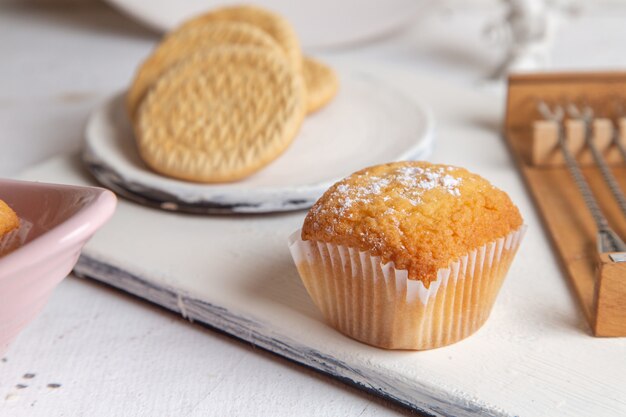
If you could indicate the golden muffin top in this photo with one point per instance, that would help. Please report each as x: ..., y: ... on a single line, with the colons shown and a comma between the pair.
x: 8, y: 219
x: 419, y: 215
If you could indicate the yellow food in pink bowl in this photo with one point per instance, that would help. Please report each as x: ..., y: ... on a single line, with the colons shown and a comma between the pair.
x: 55, y: 222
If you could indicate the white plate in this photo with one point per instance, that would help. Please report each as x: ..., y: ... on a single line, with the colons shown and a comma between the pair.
x: 366, y: 124
x: 318, y: 23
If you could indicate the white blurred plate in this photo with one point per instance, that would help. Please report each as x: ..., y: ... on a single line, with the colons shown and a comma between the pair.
x: 367, y: 123
x: 320, y: 23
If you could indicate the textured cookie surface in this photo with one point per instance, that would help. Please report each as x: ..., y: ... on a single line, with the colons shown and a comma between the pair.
x: 220, y: 115
x: 182, y: 44
x: 274, y: 25
x: 419, y: 215
x: 321, y: 83
x: 8, y: 219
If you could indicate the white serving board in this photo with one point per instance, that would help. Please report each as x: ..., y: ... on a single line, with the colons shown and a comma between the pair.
x: 534, y: 356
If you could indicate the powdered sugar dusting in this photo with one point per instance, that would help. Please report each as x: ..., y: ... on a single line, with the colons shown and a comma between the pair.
x: 404, y: 182
x: 409, y: 182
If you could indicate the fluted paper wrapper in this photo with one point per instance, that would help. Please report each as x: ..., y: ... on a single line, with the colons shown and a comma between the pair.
x: 377, y: 304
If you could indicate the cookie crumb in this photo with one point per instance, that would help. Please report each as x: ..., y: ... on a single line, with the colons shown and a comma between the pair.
x: 11, y: 397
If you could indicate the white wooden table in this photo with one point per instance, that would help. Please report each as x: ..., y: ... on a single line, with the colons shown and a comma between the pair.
x: 94, y: 351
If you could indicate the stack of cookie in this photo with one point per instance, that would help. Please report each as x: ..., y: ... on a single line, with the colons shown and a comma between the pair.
x: 224, y: 95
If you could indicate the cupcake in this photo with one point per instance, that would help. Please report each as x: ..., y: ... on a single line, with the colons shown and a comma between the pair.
x: 407, y: 255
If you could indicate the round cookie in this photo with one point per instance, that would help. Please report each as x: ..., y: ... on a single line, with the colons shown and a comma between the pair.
x: 418, y: 215
x: 8, y: 219
x: 220, y: 115
x: 183, y: 43
x: 321, y: 83
x: 274, y: 25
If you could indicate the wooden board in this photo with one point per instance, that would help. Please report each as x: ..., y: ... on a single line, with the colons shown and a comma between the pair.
x: 234, y: 273
x: 533, y: 357
x: 561, y: 204
x: 604, y: 91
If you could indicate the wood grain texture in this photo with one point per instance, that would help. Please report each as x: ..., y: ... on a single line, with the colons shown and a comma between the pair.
x: 601, y: 90
x: 544, y: 147
x: 565, y: 214
x: 262, y: 335
x: 547, y: 152
x: 113, y: 355
x: 610, y: 298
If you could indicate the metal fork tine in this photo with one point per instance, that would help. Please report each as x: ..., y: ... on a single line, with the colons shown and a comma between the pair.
x: 607, y: 239
x: 587, y: 118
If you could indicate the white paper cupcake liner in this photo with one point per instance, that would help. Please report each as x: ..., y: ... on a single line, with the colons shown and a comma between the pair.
x: 377, y: 304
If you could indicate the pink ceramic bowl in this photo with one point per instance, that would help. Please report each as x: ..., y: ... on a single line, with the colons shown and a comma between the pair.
x: 57, y: 220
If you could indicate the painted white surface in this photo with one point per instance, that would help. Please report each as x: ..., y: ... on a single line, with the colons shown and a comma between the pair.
x: 535, y: 343
x: 367, y: 123
x: 114, y: 355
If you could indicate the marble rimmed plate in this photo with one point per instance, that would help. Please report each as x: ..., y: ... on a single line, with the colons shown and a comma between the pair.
x: 366, y: 124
